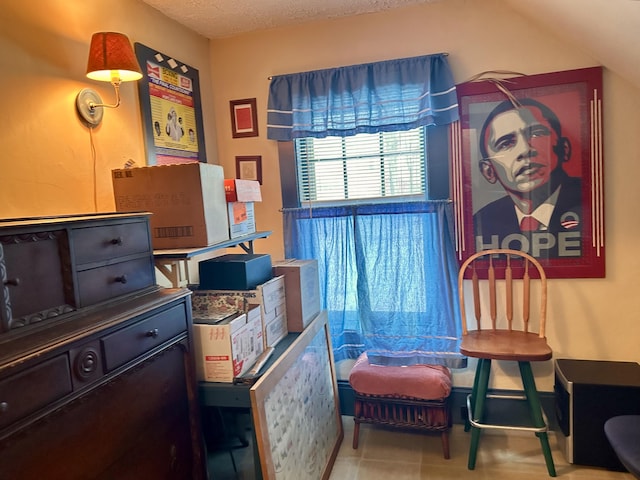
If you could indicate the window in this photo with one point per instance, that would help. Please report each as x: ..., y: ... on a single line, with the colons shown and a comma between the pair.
x: 385, y: 165
x: 368, y: 217
x: 370, y: 205
x: 364, y: 166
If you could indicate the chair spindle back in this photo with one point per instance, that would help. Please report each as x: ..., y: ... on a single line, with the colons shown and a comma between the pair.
x: 511, y: 270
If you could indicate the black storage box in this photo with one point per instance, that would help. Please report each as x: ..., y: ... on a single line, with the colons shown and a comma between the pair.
x: 235, y: 271
x: 588, y: 393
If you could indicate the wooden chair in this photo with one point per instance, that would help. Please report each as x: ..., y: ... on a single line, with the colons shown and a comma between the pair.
x: 507, y: 333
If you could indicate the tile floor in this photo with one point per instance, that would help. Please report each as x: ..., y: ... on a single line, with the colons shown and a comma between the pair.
x: 385, y: 454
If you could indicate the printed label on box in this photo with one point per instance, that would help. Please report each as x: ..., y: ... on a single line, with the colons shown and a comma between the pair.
x: 276, y: 330
x: 239, y: 212
x: 238, y: 225
x: 268, y: 295
x: 240, y: 190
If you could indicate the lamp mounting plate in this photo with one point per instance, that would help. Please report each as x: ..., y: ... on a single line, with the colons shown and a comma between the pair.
x: 84, y: 101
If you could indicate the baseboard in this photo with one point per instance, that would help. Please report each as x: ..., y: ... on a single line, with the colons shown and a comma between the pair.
x: 507, y: 408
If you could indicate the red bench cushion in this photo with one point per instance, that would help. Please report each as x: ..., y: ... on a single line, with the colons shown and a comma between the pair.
x: 426, y: 382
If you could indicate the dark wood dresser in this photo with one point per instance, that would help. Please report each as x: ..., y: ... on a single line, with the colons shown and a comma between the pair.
x: 96, y: 371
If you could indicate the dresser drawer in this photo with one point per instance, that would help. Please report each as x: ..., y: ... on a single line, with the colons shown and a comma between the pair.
x: 102, y: 283
x: 128, y: 343
x: 34, y: 266
x: 97, y: 244
x: 35, y: 388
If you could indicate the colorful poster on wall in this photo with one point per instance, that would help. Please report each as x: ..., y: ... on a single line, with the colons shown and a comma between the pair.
x: 172, y: 116
x: 528, y: 169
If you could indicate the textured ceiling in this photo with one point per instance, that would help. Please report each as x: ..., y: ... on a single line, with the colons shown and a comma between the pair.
x: 225, y: 18
x: 608, y: 30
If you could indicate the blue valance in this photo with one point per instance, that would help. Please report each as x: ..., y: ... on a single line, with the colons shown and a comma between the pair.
x: 392, y: 95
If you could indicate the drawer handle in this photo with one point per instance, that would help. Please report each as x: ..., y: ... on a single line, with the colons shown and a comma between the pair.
x: 4, y: 406
x: 153, y: 333
x: 121, y: 279
x: 13, y: 282
x: 116, y: 241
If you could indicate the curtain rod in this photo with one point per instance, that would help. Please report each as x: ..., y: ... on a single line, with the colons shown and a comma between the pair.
x: 446, y: 54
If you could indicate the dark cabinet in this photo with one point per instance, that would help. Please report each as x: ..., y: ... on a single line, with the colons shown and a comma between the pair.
x: 588, y: 393
x: 56, y: 265
x: 103, y: 388
x: 36, y: 277
x: 19, y: 398
x: 135, y: 426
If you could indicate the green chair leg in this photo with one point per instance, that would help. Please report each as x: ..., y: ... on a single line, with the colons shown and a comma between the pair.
x: 478, y: 396
x: 536, y: 413
x: 472, y: 400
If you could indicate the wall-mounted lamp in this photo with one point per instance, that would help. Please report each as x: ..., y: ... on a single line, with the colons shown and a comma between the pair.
x: 111, y: 59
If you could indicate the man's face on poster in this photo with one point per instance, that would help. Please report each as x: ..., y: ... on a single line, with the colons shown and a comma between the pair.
x: 520, y: 145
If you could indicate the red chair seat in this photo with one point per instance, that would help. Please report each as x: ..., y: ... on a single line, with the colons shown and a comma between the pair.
x: 426, y: 382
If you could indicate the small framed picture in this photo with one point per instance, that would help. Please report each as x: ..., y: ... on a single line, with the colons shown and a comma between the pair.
x: 249, y: 168
x: 244, y: 118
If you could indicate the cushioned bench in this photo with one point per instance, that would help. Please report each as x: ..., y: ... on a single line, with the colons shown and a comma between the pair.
x: 623, y: 433
x: 415, y: 397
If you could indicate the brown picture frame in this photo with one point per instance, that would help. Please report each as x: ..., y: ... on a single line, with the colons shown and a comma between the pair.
x: 244, y: 118
x: 576, y: 247
x: 300, y: 442
x: 249, y: 167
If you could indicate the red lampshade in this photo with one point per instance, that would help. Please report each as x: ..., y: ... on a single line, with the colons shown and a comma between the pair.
x: 111, y: 56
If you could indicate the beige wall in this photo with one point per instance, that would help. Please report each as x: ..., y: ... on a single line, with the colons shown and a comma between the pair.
x: 47, y: 166
x: 589, y: 318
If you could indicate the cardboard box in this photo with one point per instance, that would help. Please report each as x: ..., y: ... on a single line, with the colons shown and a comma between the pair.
x: 235, y: 271
x: 241, y: 219
x: 276, y: 329
x: 270, y: 296
x: 228, y: 348
x: 187, y: 201
x: 237, y: 190
x: 302, y: 288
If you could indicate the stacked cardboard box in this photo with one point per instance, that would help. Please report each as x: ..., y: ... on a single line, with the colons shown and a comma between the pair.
x: 270, y: 296
x: 302, y: 288
x: 187, y: 201
x: 240, y: 197
x: 226, y: 344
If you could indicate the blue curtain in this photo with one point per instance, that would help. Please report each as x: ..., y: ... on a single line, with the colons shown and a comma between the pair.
x: 388, y: 279
x: 391, y: 95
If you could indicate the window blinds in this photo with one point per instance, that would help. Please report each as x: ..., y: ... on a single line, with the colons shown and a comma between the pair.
x: 386, y: 164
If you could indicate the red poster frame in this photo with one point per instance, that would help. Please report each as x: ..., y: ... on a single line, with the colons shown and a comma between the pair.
x: 576, y: 249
